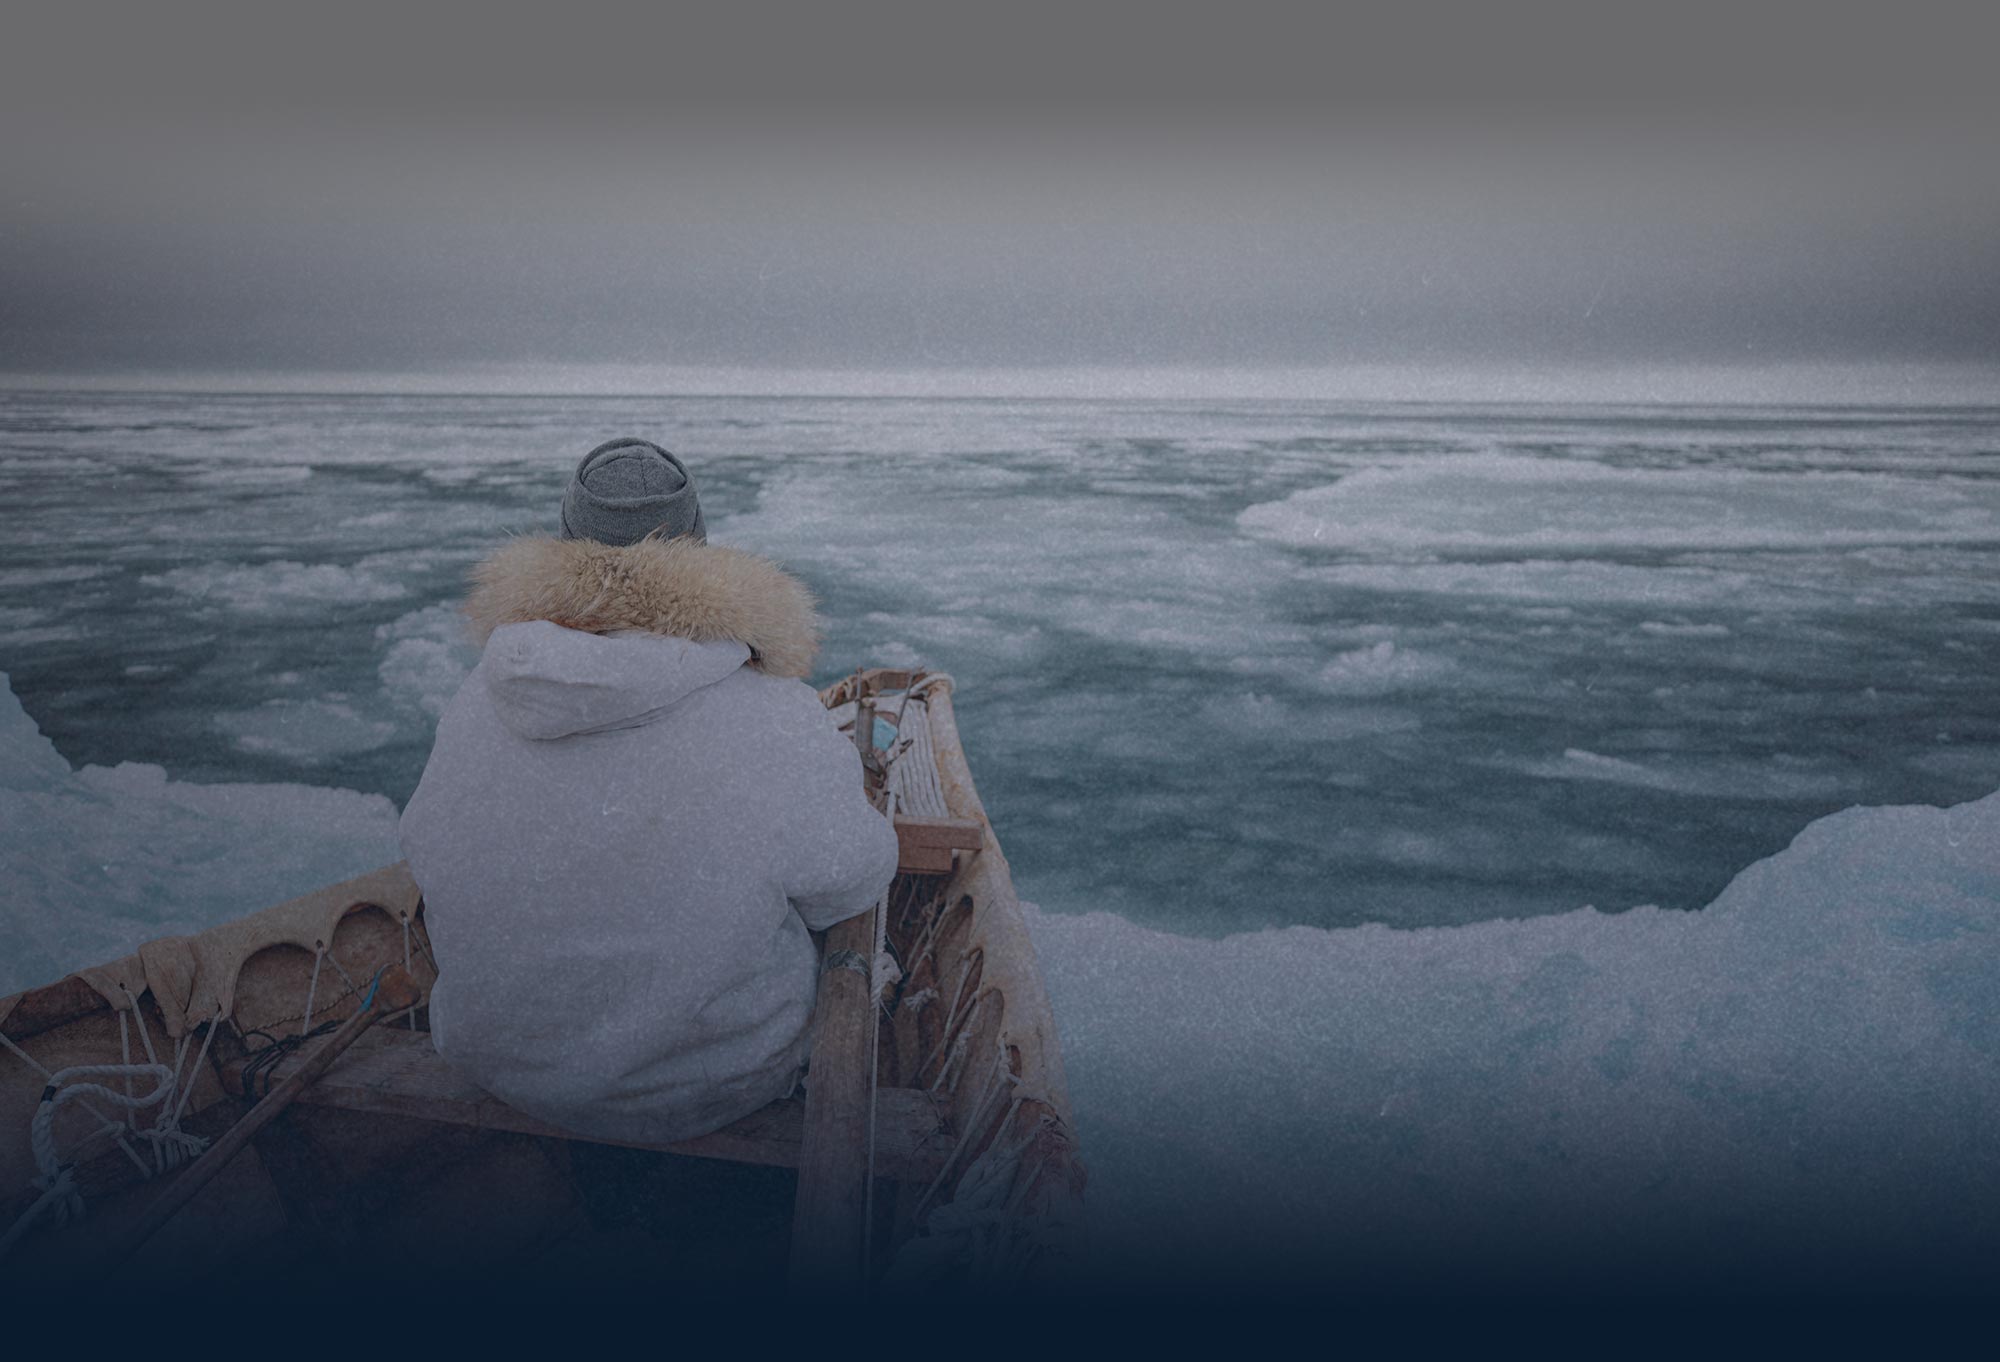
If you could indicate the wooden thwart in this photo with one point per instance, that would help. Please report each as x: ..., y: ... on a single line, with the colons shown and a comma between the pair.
x: 924, y: 846
x: 397, y: 1073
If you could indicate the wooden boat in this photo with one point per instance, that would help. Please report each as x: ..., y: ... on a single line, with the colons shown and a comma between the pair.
x: 933, y: 1144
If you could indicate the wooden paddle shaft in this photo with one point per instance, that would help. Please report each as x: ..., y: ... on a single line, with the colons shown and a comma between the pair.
x: 830, y: 1216
x: 829, y: 1257
x: 395, y: 992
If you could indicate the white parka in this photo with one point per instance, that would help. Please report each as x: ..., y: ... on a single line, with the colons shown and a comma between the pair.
x: 633, y: 812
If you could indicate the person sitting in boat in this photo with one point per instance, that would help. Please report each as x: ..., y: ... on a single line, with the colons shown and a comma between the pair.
x: 634, y: 812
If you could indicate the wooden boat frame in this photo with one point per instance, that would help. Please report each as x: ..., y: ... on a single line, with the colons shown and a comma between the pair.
x: 968, y: 1168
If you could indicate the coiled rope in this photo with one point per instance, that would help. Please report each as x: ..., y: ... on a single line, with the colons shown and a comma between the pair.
x: 53, y: 1178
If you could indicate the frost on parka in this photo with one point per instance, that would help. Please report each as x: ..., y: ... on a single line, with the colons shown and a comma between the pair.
x: 633, y: 812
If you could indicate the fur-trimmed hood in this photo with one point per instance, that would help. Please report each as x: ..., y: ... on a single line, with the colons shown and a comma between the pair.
x: 682, y: 588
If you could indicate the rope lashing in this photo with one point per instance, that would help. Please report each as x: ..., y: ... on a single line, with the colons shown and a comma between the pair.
x: 55, y: 1180
x: 406, y: 959
x: 312, y: 988
x: 57, y: 1195
x: 914, y: 782
x: 171, y: 1146
x: 125, y: 1058
x: 951, y: 1026
x: 853, y: 960
x: 884, y: 972
x: 109, y: 1124
x: 146, y: 1037
x: 60, y: 1199
x: 345, y: 977
x: 171, y: 1142
x: 1002, y: 1078
x: 69, y: 1085
x: 263, y: 1062
x: 958, y: 1045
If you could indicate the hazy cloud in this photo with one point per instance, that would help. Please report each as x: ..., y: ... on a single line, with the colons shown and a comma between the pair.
x: 386, y: 215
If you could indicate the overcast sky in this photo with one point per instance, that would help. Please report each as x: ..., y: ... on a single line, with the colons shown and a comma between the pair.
x: 371, y: 203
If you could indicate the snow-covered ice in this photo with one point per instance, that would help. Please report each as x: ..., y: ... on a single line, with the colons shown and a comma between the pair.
x: 1492, y: 502
x: 95, y: 861
x: 272, y: 588
x: 1808, y: 1066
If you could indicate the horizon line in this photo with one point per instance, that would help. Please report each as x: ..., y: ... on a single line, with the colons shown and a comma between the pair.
x: 1854, y: 404
x: 1893, y: 383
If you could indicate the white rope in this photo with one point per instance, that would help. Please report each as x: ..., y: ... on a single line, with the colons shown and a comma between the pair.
x: 59, y: 1195
x: 174, y: 1145
x: 146, y: 1037
x: 345, y: 977
x: 67, y: 1085
x: 983, y: 1212
x: 125, y: 1058
x: 214, y: 1025
x: 406, y: 960
x: 884, y: 972
x: 927, y: 943
x: 874, y: 1061
x: 971, y: 1132
x: 48, y: 1077
x: 983, y: 1227
x: 950, y: 1017
x: 312, y: 989
x: 145, y: 1034
x: 180, y: 1055
x: 958, y: 1046
x: 26, y: 1058
x: 171, y: 1145
x: 934, y: 679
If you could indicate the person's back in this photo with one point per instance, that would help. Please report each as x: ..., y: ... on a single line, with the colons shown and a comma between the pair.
x: 633, y: 812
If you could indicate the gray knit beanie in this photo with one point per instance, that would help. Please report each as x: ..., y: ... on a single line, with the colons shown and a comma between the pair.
x: 626, y: 489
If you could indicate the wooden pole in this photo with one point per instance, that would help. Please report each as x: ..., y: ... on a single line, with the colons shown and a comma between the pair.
x: 830, y: 1217
x: 394, y: 992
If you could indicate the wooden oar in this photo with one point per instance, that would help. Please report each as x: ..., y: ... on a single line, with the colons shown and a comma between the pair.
x: 829, y: 1257
x: 393, y: 992
x: 830, y: 1213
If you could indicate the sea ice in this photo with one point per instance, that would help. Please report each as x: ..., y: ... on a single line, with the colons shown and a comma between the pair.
x: 14, y: 579
x: 429, y: 654
x: 1379, y: 668
x: 1508, y: 503
x: 304, y: 731
x: 280, y: 587
x: 248, y: 475
x: 1810, y: 1064
x: 96, y: 861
